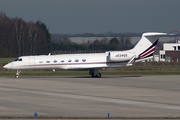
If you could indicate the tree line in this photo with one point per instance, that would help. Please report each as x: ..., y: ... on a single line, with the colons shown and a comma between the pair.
x: 116, y: 43
x: 19, y: 38
x: 108, y: 34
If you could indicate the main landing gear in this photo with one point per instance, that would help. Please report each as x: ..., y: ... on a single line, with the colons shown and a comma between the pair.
x: 95, y: 73
x: 17, y: 74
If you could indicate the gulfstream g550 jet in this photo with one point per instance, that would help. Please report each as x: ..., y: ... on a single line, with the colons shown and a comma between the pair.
x: 143, y: 50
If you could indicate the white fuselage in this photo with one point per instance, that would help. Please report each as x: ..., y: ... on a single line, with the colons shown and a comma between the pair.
x: 71, y: 61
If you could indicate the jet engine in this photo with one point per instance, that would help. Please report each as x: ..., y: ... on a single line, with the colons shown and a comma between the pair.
x: 119, y: 56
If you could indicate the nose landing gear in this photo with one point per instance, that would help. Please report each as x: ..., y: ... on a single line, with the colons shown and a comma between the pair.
x: 17, y: 74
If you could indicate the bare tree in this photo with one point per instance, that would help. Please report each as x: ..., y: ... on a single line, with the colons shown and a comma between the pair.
x: 104, y: 40
x: 20, y: 30
x: 96, y: 42
x: 19, y: 38
x: 29, y: 42
x: 125, y: 43
x: 65, y: 40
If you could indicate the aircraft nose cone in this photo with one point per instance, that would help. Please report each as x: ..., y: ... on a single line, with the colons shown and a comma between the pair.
x: 7, y: 66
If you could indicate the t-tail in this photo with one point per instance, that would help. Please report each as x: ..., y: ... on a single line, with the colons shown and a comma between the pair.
x: 145, y: 48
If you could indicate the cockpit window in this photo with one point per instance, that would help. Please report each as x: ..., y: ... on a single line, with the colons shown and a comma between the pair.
x: 18, y: 59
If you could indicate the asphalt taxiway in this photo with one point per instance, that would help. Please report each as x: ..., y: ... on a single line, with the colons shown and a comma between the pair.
x: 120, y: 96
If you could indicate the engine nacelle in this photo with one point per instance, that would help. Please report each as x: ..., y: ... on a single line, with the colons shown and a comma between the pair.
x: 119, y: 56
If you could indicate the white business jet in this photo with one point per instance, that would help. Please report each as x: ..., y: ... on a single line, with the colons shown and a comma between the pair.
x: 143, y: 50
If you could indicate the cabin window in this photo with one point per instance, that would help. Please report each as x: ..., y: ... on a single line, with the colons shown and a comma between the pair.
x: 69, y: 60
x: 62, y: 60
x: 55, y: 61
x: 83, y: 60
x: 40, y: 61
x: 48, y: 61
x: 76, y: 60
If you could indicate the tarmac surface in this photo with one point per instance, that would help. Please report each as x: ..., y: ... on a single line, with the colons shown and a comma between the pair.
x: 120, y: 96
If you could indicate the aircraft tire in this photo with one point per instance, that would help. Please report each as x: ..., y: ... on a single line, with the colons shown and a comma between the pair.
x: 99, y: 75
x: 93, y: 75
x: 17, y: 76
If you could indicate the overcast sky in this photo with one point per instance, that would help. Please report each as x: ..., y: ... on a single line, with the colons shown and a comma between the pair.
x: 98, y: 16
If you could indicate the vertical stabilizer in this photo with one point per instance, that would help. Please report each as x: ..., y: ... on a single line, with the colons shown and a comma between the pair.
x: 146, y: 45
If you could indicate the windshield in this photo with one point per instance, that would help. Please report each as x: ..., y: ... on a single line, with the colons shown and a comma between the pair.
x: 18, y: 59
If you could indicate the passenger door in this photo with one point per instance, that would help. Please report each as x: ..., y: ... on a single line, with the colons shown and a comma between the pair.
x: 31, y: 63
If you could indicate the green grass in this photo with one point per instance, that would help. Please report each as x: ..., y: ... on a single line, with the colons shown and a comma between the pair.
x: 141, y: 72
x: 10, y: 73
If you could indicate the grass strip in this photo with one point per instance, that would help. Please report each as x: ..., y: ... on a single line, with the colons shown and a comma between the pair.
x: 11, y: 73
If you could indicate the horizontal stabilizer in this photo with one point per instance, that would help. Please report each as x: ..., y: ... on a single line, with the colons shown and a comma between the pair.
x: 155, y: 34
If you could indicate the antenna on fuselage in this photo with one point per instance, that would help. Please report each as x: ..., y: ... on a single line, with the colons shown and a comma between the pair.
x: 49, y: 54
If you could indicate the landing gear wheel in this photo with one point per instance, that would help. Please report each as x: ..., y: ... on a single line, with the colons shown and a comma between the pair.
x: 95, y: 73
x: 99, y: 75
x: 92, y: 75
x: 17, y: 76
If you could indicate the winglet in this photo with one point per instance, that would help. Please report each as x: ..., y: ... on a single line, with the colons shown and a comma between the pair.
x: 130, y: 63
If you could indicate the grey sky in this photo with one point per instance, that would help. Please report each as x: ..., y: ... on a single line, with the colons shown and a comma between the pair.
x: 98, y: 16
